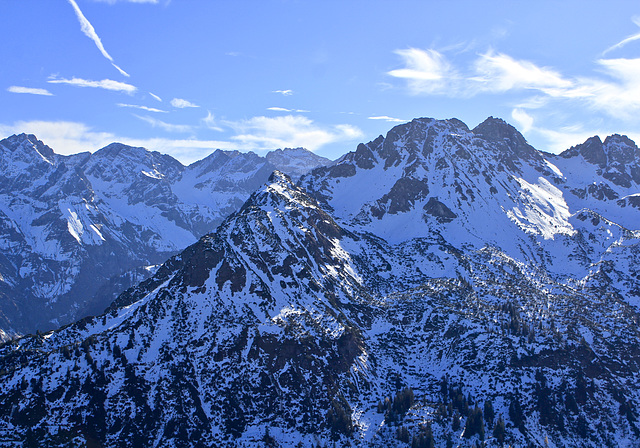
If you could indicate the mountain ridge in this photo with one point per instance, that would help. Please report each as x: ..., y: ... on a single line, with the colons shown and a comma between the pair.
x: 120, y: 208
x: 434, y: 287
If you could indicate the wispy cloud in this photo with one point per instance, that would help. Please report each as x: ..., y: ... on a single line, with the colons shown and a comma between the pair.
x: 283, y: 109
x: 169, y: 127
x: 428, y: 72
x: 625, y: 41
x: 107, y: 84
x: 63, y: 136
x: 210, y: 122
x: 560, y: 138
x: 30, y: 90
x: 524, y: 120
x: 135, y: 106
x: 386, y: 118
x: 90, y: 32
x: 72, y: 137
x: 289, y: 131
x: 564, y: 137
x: 500, y: 73
x: 156, y: 97
x: 181, y: 104
x: 113, y: 2
x: 284, y: 92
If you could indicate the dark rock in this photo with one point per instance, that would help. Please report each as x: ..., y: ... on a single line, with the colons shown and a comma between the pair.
x: 439, y: 210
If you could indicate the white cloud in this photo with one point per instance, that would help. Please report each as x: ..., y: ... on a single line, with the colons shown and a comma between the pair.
x: 501, y: 73
x: 135, y: 106
x: 284, y: 92
x: 30, y: 90
x: 524, y: 120
x: 426, y: 71
x: 625, y: 41
x: 90, y: 32
x: 210, y: 122
x: 113, y: 2
x: 617, y: 93
x: 282, y: 109
x: 169, y: 127
x: 107, y: 84
x: 387, y: 118
x: 561, y: 138
x: 181, y: 104
x: 565, y: 137
x: 289, y: 131
x: 156, y: 97
x: 63, y: 136
x: 620, y: 99
x: 72, y: 137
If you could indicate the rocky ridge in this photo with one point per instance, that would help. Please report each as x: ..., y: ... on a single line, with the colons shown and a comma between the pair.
x: 78, y: 230
x: 439, y: 286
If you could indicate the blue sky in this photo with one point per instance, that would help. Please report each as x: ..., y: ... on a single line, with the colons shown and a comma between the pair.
x: 186, y: 77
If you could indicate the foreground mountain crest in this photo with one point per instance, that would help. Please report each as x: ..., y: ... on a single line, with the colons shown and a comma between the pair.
x: 438, y: 286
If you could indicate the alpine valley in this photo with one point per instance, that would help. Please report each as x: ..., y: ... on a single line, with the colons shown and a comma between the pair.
x: 439, y: 286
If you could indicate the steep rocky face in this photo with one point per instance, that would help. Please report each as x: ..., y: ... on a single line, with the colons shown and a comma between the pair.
x: 487, y: 187
x: 286, y: 327
x: 262, y: 313
x: 438, y: 283
x: 75, y: 231
x: 604, y: 177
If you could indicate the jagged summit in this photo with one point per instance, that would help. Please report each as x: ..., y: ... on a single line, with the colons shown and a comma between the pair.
x: 431, y: 272
x: 615, y: 149
x: 295, y: 161
x: 77, y: 230
x: 280, y: 178
x: 509, y: 140
x: 437, y: 284
x: 26, y: 145
x: 496, y: 129
x: 617, y: 159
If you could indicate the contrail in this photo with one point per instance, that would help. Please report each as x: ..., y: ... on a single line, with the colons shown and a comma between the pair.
x: 90, y: 32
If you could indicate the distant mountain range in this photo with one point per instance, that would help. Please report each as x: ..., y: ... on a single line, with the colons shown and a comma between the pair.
x: 77, y: 230
x: 438, y: 286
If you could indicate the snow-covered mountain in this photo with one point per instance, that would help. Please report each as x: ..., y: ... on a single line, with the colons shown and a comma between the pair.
x: 77, y: 230
x: 439, y: 286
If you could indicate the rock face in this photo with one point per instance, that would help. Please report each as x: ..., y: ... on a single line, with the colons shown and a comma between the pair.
x: 75, y: 231
x: 437, y: 286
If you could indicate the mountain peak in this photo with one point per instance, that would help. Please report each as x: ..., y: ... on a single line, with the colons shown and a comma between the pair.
x: 508, y: 138
x: 29, y: 142
x: 618, y: 157
x: 278, y: 177
x: 496, y: 129
x: 296, y: 161
x: 113, y: 150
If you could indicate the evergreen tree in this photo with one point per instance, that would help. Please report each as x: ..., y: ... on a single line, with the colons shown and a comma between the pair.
x: 424, y: 438
x: 455, y: 421
x: 489, y: 413
x: 403, y: 401
x: 403, y: 434
x: 474, y: 424
x: 515, y: 414
x: 339, y: 418
x: 499, y: 430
